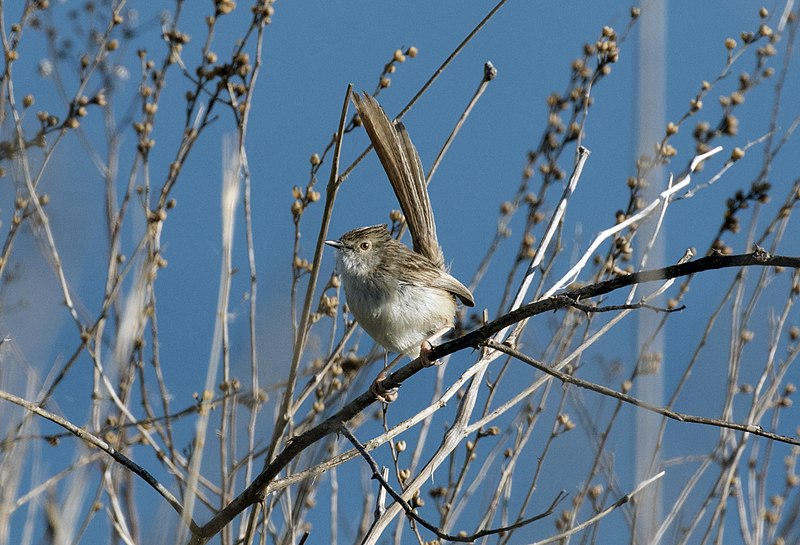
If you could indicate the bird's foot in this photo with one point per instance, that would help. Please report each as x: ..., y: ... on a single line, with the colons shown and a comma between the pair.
x: 379, y: 389
x: 424, y: 353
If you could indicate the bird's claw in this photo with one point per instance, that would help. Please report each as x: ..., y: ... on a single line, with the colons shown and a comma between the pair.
x: 424, y: 351
x: 380, y: 391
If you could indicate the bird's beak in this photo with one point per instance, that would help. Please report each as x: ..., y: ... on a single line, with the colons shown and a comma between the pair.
x: 335, y: 243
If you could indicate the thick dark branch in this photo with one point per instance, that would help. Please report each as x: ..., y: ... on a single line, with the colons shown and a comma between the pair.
x: 758, y: 258
x: 588, y: 309
x: 259, y: 487
x: 475, y: 338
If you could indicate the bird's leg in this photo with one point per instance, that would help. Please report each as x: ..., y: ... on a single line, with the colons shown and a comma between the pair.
x: 424, y: 350
x: 377, y: 388
x: 426, y: 347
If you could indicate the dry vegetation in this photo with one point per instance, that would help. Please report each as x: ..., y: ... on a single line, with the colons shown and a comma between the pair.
x: 485, y: 445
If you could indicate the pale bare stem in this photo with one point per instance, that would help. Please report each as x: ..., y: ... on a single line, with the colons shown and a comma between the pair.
x: 393, y: 453
x: 489, y: 73
x: 456, y: 481
x: 523, y: 427
x: 232, y: 169
x: 750, y: 498
x: 739, y: 320
x: 230, y: 200
x: 257, y: 396
x: 554, y: 223
x: 775, y: 122
x: 118, y: 519
x: 16, y: 451
x: 424, y: 429
x: 421, y: 441
x: 44, y: 222
x: 574, y: 272
x: 721, y: 172
x: 620, y: 502
x: 773, y: 373
x: 680, y: 501
x: 721, y: 493
x: 654, y: 237
x: 47, y: 484
x: 162, y: 386
x: 452, y: 438
x: 599, y: 463
x: 674, y: 513
x: 757, y: 482
x: 305, y: 320
x: 334, y: 507
x: 693, y: 360
x: 540, y: 459
x: 332, y: 359
x: 787, y: 135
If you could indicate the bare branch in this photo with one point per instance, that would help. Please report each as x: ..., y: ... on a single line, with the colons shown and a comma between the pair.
x: 105, y: 447
x: 376, y: 474
x: 610, y: 392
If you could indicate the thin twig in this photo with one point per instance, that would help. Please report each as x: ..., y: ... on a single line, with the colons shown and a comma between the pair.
x: 450, y: 58
x: 622, y: 501
x: 377, y: 475
x: 102, y: 445
x: 610, y: 392
x: 572, y: 274
x: 489, y: 73
x: 302, y: 334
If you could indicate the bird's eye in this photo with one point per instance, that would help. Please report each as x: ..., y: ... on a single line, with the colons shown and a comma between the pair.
x: 365, y: 245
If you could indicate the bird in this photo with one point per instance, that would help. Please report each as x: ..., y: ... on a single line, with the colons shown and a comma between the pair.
x: 402, y: 297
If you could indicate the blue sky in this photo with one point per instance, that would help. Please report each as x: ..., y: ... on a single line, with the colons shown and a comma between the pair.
x: 312, y: 51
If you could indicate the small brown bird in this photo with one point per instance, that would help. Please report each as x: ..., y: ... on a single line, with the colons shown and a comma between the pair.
x: 400, y: 297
